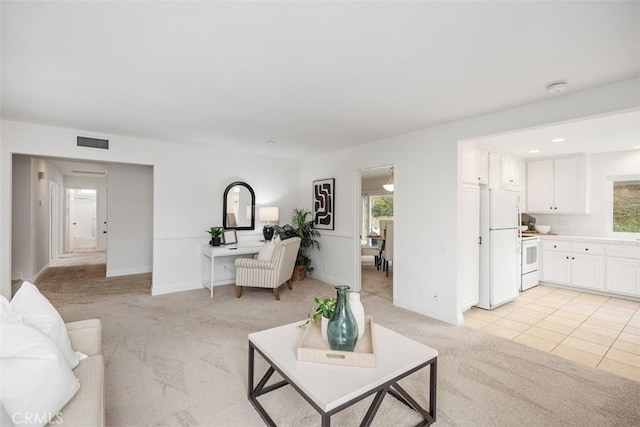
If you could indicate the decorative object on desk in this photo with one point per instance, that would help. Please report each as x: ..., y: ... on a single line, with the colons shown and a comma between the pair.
x: 324, y: 310
x: 229, y: 237
x: 215, y: 232
x: 303, y: 228
x: 268, y: 214
x: 323, y: 204
x: 358, y: 311
x: 342, y: 330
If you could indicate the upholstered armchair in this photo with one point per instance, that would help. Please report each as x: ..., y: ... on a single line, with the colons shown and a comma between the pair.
x: 268, y: 274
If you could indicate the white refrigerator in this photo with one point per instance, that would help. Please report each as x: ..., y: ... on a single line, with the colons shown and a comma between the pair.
x: 499, y: 247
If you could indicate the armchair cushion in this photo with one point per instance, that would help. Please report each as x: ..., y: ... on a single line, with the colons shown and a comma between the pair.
x: 254, y: 263
x: 266, y: 252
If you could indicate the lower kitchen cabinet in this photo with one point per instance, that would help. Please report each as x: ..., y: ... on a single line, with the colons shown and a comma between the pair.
x: 613, y: 269
x: 586, y: 271
x: 573, y: 264
x: 623, y: 270
x: 555, y: 267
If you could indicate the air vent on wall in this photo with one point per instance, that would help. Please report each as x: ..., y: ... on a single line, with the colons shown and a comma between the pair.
x: 84, y: 141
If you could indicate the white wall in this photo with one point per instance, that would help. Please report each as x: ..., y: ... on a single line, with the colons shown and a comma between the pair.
x: 425, y: 202
x: 189, y: 181
x: 21, y: 260
x: 602, y: 165
x: 130, y: 213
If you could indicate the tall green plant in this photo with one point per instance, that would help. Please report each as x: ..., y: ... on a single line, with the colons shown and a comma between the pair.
x: 301, y: 227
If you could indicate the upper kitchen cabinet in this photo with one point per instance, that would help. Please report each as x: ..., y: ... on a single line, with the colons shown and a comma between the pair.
x: 483, y: 166
x: 557, y: 185
x: 468, y: 163
x: 510, y: 172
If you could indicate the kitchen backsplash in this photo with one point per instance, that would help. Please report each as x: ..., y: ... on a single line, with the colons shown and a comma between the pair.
x: 571, y: 225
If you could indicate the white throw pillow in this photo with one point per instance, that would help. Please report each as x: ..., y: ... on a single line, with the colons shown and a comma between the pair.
x: 37, y: 381
x: 266, y: 252
x: 8, y: 314
x: 37, y: 311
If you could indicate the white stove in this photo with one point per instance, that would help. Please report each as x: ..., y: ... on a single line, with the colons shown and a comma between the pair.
x: 530, y: 247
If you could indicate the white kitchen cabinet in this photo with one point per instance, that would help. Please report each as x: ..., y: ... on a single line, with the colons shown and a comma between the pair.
x: 573, y: 264
x: 483, y: 167
x: 495, y: 171
x: 468, y: 163
x: 586, y: 271
x: 623, y: 270
x: 557, y: 185
x: 469, y: 251
x: 510, y: 172
x: 555, y: 262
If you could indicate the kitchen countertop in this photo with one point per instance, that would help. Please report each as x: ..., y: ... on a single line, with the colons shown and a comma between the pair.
x: 592, y: 239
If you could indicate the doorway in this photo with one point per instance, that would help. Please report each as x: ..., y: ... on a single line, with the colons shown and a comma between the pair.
x: 82, y: 220
x: 375, y: 206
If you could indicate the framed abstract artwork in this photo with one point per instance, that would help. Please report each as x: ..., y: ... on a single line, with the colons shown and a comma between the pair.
x: 323, y: 204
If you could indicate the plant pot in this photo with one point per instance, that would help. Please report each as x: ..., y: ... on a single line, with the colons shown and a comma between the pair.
x: 323, y: 327
x: 215, y: 241
x: 299, y: 273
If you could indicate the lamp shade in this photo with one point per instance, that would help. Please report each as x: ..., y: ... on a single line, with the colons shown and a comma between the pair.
x: 268, y: 213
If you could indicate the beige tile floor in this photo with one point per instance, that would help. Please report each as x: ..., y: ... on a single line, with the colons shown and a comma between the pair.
x: 595, y: 330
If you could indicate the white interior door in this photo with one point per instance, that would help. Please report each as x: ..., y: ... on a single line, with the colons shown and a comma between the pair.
x: 82, y: 220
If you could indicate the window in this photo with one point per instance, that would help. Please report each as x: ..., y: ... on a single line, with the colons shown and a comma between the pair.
x: 381, y: 208
x: 626, y: 206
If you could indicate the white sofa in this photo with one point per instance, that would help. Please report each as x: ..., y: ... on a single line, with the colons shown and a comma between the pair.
x: 86, y: 409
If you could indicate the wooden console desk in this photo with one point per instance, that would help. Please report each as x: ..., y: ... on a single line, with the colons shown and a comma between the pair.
x: 228, y: 253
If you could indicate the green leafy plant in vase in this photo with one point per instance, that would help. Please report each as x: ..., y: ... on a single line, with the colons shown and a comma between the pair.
x: 215, y: 232
x: 323, y: 309
x: 302, y: 226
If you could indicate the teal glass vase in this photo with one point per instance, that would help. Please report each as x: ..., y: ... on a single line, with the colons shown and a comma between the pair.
x: 342, y: 331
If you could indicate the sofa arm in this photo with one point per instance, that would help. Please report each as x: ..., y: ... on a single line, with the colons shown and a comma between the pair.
x: 86, y: 336
x: 253, y: 263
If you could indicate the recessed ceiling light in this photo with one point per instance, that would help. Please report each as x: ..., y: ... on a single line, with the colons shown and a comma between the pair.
x: 534, y: 151
x: 557, y: 87
x: 558, y: 140
x: 270, y: 142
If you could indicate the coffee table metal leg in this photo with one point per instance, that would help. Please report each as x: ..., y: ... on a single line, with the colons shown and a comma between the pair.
x: 433, y: 373
x: 373, y: 409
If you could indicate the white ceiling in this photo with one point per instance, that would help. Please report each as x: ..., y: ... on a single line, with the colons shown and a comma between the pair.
x: 312, y: 76
x: 616, y: 132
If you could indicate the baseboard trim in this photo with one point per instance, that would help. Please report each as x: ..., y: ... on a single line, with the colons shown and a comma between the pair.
x: 39, y: 273
x: 176, y: 287
x: 451, y: 318
x: 129, y: 271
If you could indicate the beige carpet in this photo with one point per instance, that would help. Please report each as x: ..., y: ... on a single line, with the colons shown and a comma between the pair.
x: 181, y: 360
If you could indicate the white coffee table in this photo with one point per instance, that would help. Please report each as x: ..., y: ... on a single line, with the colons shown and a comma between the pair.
x: 396, y: 357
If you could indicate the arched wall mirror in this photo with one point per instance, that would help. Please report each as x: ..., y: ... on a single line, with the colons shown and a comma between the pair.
x: 239, y: 205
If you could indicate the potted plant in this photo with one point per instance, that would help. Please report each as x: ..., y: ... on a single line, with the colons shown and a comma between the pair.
x: 215, y: 232
x: 324, y: 309
x: 301, y: 227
